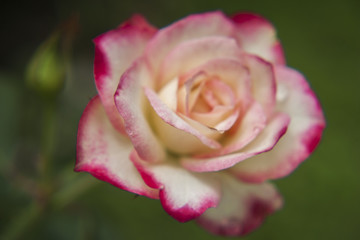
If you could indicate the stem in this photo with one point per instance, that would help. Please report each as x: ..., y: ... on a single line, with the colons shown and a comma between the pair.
x: 21, y: 223
x: 47, y: 141
x: 32, y: 213
x: 61, y: 199
x: 71, y: 191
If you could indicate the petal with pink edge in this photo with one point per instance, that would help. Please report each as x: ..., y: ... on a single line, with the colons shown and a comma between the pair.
x: 265, y: 141
x: 184, y: 195
x: 130, y: 102
x: 304, y: 132
x: 257, y: 36
x: 105, y: 153
x: 114, y: 53
x: 242, y: 208
x: 192, y: 27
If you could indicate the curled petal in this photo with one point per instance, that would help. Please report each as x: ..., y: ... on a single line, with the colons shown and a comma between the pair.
x: 304, y: 132
x: 104, y: 153
x: 242, y: 208
x: 265, y: 141
x: 130, y: 101
x: 171, y: 118
x: 220, y: 118
x: 114, y: 53
x: 257, y: 36
x: 227, y: 123
x: 184, y: 195
x: 263, y: 84
x: 251, y: 124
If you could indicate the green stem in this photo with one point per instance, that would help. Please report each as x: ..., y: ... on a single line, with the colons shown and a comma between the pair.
x: 61, y: 199
x: 47, y: 141
x: 66, y: 195
x: 22, y: 222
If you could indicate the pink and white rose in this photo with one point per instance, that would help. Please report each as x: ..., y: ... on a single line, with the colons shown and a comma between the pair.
x: 199, y: 114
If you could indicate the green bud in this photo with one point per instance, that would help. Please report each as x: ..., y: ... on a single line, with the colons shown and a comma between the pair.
x: 46, y: 70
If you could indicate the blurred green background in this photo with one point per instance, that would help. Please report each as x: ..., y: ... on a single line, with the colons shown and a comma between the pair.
x: 322, y: 197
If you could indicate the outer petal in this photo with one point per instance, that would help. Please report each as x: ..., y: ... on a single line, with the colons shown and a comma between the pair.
x: 257, y: 36
x: 242, y: 208
x: 304, y: 132
x: 114, y: 53
x: 104, y: 153
x: 184, y: 195
x: 192, y: 27
x: 130, y: 102
x: 263, y: 143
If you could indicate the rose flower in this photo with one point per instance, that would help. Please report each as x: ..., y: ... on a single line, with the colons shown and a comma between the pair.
x: 199, y: 114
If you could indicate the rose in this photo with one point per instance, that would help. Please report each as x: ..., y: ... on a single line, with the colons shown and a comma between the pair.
x: 200, y: 115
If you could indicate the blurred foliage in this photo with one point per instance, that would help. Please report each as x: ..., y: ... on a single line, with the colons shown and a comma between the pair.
x: 321, y: 39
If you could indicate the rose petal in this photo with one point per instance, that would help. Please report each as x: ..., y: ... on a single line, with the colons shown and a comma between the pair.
x: 184, y: 195
x: 248, y: 129
x: 220, y: 118
x: 171, y: 118
x: 232, y: 72
x: 257, y: 36
x: 168, y: 94
x: 229, y: 122
x: 196, y: 52
x: 104, y: 153
x: 304, y: 132
x: 190, y: 92
x: 222, y: 92
x: 254, y: 120
x: 264, y: 142
x: 221, y: 99
x: 130, y: 101
x: 114, y: 53
x: 242, y: 208
x: 192, y: 27
x: 263, y: 82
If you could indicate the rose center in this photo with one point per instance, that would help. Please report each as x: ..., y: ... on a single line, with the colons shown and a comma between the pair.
x: 207, y: 99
